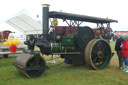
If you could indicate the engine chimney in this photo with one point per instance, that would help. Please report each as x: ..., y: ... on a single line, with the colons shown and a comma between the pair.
x: 45, y: 19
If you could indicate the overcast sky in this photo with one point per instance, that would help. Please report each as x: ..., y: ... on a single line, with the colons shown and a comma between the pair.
x: 113, y: 9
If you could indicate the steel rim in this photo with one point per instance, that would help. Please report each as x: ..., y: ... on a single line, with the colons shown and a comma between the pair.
x: 98, y: 54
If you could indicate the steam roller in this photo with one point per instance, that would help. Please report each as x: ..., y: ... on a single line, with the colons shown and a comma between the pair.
x: 76, y: 44
x: 31, y: 64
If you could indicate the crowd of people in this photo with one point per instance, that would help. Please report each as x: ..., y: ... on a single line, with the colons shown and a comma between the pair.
x: 121, y: 48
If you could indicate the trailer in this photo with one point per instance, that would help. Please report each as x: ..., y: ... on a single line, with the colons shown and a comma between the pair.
x: 4, y: 35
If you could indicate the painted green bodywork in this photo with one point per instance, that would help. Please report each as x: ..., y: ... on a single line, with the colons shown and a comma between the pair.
x: 67, y: 44
x: 67, y: 41
x: 57, y: 47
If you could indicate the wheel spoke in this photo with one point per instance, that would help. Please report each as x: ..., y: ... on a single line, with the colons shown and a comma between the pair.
x: 94, y: 60
x: 100, y: 61
x: 94, y: 52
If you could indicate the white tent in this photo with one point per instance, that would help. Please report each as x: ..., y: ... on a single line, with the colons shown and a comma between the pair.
x: 25, y: 24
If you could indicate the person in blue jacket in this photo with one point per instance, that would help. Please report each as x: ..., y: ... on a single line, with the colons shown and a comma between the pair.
x: 119, y: 42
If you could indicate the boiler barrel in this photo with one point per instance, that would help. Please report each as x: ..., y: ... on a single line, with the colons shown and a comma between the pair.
x: 57, y: 47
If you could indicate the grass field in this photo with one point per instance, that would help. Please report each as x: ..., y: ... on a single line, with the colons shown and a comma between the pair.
x: 65, y: 75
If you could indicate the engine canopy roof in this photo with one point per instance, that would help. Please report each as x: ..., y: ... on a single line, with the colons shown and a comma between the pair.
x: 76, y: 17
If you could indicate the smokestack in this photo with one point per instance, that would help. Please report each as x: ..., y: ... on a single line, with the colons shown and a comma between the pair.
x: 45, y: 22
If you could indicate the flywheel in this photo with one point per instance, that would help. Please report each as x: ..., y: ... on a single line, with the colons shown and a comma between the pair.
x: 84, y: 35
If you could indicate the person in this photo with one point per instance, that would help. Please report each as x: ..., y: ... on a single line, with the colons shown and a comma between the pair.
x: 124, y: 52
x: 118, y: 50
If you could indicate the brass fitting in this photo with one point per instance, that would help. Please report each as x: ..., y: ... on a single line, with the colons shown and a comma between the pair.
x: 45, y: 5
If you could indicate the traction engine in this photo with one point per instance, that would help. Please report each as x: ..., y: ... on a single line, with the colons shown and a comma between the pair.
x: 76, y: 44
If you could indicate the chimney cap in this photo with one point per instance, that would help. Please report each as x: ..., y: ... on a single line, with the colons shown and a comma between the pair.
x: 45, y: 5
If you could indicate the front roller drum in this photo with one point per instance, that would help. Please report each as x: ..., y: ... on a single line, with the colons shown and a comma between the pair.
x: 98, y: 54
x: 27, y: 65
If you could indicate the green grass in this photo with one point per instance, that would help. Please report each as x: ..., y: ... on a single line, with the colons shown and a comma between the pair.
x: 65, y: 75
x: 1, y: 43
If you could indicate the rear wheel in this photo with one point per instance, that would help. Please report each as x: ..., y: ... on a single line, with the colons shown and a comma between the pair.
x: 97, y: 54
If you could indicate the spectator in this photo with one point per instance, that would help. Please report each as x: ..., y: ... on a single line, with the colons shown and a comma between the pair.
x: 118, y: 50
x: 124, y: 52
